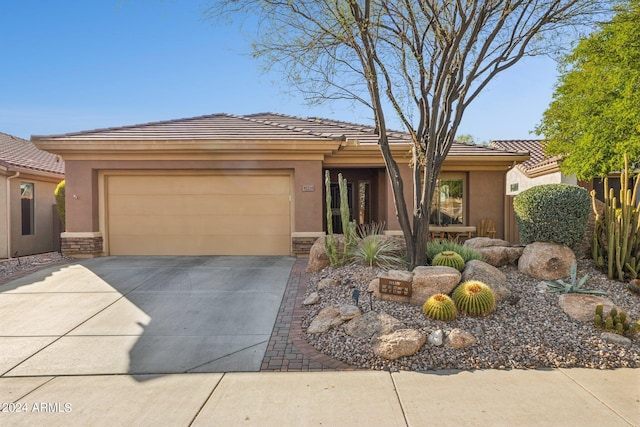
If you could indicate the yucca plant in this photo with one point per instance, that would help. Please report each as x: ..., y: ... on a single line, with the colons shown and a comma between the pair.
x: 378, y: 250
x: 575, y: 286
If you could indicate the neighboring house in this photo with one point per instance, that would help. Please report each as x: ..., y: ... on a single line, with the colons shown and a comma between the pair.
x: 28, y: 178
x: 542, y: 169
x: 538, y: 170
x: 248, y: 185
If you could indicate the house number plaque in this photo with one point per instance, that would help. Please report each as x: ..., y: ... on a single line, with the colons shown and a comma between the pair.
x: 395, y: 287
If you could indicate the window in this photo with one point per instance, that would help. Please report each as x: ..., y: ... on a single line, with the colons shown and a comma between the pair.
x: 447, y: 205
x: 27, y: 207
x: 514, y: 187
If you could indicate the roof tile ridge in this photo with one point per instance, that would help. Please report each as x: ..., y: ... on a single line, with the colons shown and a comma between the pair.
x: 13, y: 136
x: 251, y: 117
x: 132, y: 126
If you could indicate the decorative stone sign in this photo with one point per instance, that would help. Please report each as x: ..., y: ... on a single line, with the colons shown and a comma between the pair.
x: 395, y: 287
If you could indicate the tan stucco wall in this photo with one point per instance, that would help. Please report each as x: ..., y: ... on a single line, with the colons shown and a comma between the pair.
x: 486, y: 198
x: 82, y: 195
x: 42, y: 239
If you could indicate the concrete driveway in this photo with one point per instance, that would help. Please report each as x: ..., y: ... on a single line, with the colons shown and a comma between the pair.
x: 141, y: 315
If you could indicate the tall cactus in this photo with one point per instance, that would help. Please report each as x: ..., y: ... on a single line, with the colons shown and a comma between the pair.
x: 348, y: 227
x: 616, y: 238
x: 330, y: 246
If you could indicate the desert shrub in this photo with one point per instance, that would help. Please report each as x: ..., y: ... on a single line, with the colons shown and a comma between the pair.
x: 556, y: 213
x: 379, y: 250
x: 435, y: 247
x: 59, y: 195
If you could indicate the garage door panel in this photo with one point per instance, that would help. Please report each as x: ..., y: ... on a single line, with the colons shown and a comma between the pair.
x: 178, y: 245
x: 199, y: 214
x: 211, y: 184
x: 201, y: 205
x: 268, y: 225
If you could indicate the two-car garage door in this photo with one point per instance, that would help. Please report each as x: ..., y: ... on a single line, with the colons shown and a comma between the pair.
x: 226, y: 213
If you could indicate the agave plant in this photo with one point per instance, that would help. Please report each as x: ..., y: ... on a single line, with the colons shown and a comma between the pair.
x: 575, y: 286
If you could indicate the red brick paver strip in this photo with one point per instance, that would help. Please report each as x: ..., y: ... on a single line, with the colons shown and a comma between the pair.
x: 287, y: 349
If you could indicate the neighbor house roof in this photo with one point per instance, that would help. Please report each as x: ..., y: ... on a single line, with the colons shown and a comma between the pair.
x: 17, y: 152
x: 538, y: 164
x: 263, y: 127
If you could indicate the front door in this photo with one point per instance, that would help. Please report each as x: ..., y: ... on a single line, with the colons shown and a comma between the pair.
x: 361, y: 194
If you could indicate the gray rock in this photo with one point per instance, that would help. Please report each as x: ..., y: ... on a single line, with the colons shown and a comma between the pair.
x: 582, y: 307
x: 615, y: 339
x: 329, y: 317
x: 546, y: 261
x: 459, y: 338
x: 436, y: 338
x: 428, y: 281
x: 372, y: 324
x: 313, y: 298
x: 348, y: 312
x: 403, y: 342
x: 327, y: 283
x: 490, y: 276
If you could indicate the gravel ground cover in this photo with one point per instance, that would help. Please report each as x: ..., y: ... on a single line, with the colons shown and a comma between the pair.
x: 530, y: 330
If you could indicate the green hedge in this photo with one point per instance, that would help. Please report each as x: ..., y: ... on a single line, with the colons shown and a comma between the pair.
x: 555, y: 213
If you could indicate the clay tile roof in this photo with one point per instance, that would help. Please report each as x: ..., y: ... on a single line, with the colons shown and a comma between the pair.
x: 261, y: 126
x: 537, y: 161
x: 18, y: 152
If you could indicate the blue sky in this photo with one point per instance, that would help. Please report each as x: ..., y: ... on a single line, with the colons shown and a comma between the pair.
x: 74, y: 65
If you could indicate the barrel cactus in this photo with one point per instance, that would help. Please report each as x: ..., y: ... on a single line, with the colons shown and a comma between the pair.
x: 449, y: 259
x: 474, y: 298
x: 440, y: 307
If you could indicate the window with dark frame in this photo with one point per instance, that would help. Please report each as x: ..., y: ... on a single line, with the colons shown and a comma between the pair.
x: 447, y: 205
x: 27, y: 201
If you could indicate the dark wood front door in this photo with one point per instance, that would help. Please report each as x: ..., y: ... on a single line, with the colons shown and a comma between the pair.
x: 362, y: 196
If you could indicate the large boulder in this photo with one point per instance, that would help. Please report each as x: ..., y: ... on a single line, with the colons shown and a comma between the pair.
x: 489, y: 275
x: 432, y: 280
x: 329, y: 317
x: 372, y: 324
x: 496, y: 252
x: 484, y: 242
x: 546, y: 261
x: 403, y: 342
x: 318, y: 258
x: 582, y: 307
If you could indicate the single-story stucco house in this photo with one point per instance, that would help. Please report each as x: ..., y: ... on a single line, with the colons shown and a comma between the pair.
x: 248, y: 185
x: 28, y: 178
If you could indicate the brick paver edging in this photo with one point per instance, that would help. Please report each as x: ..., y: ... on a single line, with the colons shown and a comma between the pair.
x: 287, y: 349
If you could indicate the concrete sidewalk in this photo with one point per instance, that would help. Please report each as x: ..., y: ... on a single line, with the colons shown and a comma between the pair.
x: 558, y: 397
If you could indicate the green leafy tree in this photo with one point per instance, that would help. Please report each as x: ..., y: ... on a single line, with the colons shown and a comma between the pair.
x: 594, y: 117
x: 423, y: 61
